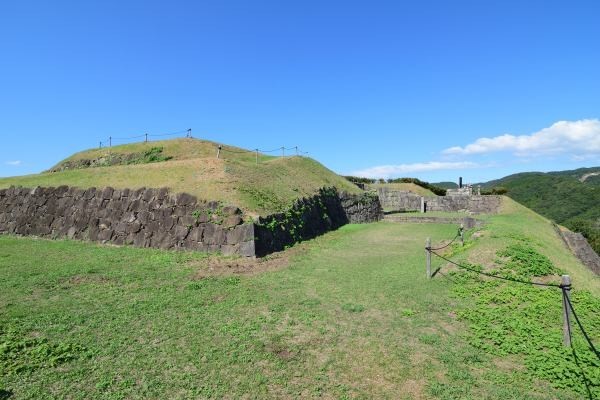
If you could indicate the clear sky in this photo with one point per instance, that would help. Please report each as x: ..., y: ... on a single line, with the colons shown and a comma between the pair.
x: 399, y: 88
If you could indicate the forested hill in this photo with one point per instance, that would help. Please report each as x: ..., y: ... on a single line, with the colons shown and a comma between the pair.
x: 571, y: 198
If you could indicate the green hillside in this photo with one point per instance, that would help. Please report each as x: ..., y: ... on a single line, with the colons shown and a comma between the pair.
x: 446, y: 185
x: 190, y: 165
x: 561, y: 196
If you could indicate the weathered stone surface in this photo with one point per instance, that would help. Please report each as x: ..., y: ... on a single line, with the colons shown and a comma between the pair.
x: 399, y: 200
x: 187, y: 220
x: 107, y: 193
x: 232, y: 221
x: 152, y: 218
x: 181, y: 232
x: 581, y: 248
x: 231, y: 210
x: 184, y: 199
x: 247, y: 249
x: 241, y: 233
x: 228, y: 249
x: 196, y: 234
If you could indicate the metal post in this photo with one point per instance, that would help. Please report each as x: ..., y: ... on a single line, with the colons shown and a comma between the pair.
x: 428, y: 257
x: 110, y: 141
x: 146, y: 138
x: 219, y: 151
x: 256, y: 156
x: 296, y: 151
x: 100, y: 145
x: 565, y: 284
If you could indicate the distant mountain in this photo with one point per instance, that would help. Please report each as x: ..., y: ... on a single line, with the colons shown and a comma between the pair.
x: 585, y: 175
x: 571, y: 198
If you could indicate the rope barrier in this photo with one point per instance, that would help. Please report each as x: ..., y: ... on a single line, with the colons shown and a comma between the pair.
x: 494, y: 276
x: 565, y: 287
x: 127, y: 138
x: 236, y: 151
x: 587, y: 338
x: 169, y: 134
x: 443, y: 247
x: 108, y: 143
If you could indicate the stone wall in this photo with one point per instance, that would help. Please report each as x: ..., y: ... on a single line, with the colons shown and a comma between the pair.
x: 474, y: 204
x: 155, y: 218
x: 360, y: 209
x: 399, y: 200
x: 142, y: 218
x: 579, y: 246
x: 313, y: 216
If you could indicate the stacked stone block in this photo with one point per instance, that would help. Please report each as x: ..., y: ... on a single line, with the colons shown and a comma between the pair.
x: 141, y: 218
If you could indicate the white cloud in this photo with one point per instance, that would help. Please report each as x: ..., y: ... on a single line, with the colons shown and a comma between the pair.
x: 390, y: 171
x: 15, y: 163
x: 573, y: 137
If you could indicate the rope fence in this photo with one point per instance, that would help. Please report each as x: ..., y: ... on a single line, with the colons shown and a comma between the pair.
x: 111, y: 139
x: 565, y: 287
x: 108, y: 143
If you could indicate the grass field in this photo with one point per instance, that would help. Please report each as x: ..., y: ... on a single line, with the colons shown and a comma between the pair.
x: 235, y: 178
x: 410, y: 187
x: 347, y: 315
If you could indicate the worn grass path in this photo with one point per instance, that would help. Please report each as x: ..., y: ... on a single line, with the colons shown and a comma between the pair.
x: 351, y: 316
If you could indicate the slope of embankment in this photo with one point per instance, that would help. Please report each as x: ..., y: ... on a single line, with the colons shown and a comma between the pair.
x: 257, y: 183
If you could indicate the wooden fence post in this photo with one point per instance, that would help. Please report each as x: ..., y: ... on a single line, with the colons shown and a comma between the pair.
x: 256, y: 156
x: 462, y: 234
x: 428, y: 257
x: 219, y: 151
x: 565, y: 284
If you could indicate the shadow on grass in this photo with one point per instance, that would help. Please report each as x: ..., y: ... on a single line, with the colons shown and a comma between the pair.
x: 586, y: 381
x: 5, y: 394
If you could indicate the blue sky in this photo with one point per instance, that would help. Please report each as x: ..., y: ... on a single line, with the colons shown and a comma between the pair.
x: 373, y: 88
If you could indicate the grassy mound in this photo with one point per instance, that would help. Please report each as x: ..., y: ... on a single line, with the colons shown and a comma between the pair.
x: 190, y: 165
x: 409, y: 187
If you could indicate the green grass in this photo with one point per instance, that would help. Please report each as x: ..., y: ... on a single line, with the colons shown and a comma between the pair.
x: 441, y: 214
x: 409, y: 187
x: 560, y: 196
x: 351, y: 316
x: 235, y: 178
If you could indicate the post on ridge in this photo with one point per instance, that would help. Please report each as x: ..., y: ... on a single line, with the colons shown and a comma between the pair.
x: 565, y: 285
x: 428, y: 257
